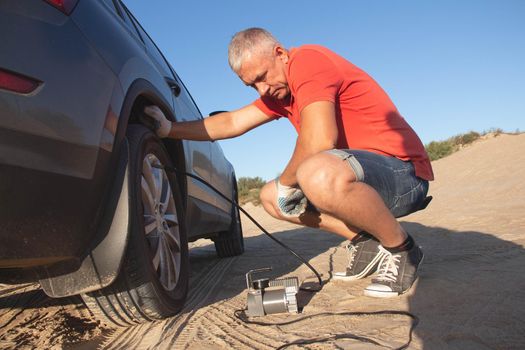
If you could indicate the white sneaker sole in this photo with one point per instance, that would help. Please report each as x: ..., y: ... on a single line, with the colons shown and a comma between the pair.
x: 377, y: 293
x: 380, y: 293
x: 342, y: 276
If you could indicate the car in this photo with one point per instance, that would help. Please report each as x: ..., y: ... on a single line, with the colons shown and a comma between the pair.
x: 91, y: 204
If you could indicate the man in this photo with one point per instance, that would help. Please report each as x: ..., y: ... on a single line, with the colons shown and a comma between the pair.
x: 356, y: 166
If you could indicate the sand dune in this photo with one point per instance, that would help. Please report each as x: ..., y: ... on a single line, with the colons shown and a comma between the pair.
x: 470, y: 294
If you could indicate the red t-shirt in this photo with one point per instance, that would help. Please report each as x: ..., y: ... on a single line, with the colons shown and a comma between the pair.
x: 366, y: 117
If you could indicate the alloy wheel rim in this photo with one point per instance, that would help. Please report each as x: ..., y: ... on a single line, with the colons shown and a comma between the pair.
x: 161, y: 225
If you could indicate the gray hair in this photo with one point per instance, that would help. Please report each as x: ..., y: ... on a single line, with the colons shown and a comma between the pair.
x: 248, y: 42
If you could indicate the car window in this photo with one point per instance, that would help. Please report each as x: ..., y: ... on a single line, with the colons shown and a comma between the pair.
x: 164, y: 65
x: 127, y: 20
x: 190, y: 102
x: 151, y: 47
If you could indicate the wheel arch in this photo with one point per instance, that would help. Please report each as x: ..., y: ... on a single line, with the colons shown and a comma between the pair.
x: 141, y: 93
x: 102, y: 263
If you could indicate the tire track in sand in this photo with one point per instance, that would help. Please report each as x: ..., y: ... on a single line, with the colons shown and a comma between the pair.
x: 221, y: 326
x: 163, y: 334
x: 31, y: 319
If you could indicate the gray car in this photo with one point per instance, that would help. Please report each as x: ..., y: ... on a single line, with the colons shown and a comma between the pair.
x: 87, y: 205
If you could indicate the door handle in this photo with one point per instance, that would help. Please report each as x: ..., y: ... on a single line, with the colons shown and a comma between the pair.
x: 174, y: 86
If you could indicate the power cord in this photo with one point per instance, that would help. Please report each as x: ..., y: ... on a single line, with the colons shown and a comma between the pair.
x: 303, y: 260
x: 241, y: 314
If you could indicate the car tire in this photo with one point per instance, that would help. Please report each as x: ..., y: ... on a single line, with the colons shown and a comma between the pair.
x: 231, y: 242
x: 153, y: 280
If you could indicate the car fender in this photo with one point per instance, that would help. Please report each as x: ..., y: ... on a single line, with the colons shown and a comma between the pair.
x: 140, y: 88
x: 102, y: 263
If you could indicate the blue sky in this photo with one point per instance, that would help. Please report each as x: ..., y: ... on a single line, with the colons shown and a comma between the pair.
x: 449, y: 66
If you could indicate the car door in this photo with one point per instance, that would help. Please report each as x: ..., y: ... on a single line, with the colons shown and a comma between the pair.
x: 208, y: 167
x: 198, y: 153
x: 220, y: 171
x: 222, y: 178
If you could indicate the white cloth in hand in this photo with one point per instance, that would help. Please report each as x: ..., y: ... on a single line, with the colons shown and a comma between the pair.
x: 164, y: 124
x: 291, y: 201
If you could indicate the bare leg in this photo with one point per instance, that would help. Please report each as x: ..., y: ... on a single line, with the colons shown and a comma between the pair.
x: 330, y: 184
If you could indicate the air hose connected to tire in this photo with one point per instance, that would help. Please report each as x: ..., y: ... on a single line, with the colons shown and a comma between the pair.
x: 241, y: 315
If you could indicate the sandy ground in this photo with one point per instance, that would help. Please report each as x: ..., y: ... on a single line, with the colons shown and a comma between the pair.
x: 469, y: 296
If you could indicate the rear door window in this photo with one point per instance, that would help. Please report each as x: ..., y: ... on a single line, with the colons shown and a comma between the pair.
x: 120, y: 9
x: 151, y: 47
x: 186, y: 96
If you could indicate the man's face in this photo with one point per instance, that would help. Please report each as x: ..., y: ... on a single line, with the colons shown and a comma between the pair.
x: 266, y: 73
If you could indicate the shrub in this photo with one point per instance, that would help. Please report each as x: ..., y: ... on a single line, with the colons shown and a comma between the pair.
x: 439, y: 149
x: 465, y: 139
x: 249, y: 189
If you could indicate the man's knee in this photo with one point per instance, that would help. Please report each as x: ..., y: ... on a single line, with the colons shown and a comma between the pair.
x: 324, y: 174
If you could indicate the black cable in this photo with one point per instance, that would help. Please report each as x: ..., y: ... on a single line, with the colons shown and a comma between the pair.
x: 173, y: 169
x: 241, y: 314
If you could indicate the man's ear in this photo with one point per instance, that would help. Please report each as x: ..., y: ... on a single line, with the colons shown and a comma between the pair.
x: 281, y: 53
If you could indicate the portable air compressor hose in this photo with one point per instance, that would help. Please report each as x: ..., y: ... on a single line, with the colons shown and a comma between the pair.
x: 241, y: 315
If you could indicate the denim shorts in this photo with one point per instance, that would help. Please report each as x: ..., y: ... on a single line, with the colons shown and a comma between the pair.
x: 395, y: 180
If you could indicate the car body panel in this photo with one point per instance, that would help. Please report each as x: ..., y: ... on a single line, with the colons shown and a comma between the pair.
x: 60, y: 146
x: 70, y: 63
x: 223, y: 179
x: 101, y: 266
x: 49, y: 148
x: 109, y: 33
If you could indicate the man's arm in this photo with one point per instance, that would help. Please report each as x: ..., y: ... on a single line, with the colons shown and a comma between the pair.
x: 217, y: 127
x: 318, y: 133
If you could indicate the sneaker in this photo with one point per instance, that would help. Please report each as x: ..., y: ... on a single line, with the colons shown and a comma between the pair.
x: 396, y: 273
x: 363, y: 258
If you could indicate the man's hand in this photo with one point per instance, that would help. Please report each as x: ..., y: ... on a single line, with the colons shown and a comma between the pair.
x: 164, y: 124
x: 291, y: 201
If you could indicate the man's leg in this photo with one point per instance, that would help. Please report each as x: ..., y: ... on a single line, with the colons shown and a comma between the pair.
x: 332, y: 186
x: 362, y: 250
x: 334, y: 182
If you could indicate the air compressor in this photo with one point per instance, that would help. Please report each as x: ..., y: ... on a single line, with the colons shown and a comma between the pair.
x: 271, y: 296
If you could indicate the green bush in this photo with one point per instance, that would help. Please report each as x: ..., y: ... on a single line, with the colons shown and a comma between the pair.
x: 439, y: 149
x: 249, y: 189
x: 465, y: 139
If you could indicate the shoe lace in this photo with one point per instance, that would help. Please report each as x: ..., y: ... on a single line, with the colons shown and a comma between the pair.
x: 388, y: 266
x: 351, y: 250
